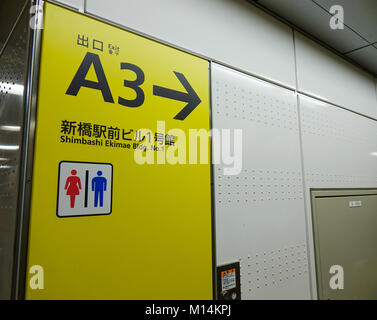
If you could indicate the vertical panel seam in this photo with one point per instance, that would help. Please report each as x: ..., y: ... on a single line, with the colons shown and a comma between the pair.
x: 302, y: 166
x: 27, y: 160
x: 212, y: 185
x: 375, y: 88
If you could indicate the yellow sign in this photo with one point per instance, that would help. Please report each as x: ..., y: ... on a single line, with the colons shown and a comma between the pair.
x: 103, y: 225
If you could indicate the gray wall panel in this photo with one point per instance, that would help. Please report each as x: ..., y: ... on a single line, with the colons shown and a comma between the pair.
x: 12, y: 80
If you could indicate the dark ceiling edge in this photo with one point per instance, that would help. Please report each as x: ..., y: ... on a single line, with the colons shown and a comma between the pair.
x: 349, y: 27
x: 13, y: 27
x: 360, y: 48
x: 310, y: 36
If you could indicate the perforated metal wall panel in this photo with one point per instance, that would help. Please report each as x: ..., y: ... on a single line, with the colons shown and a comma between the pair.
x: 12, y: 78
x: 339, y: 151
x: 260, y: 217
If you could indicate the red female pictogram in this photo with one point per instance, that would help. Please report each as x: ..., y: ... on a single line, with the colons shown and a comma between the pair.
x: 73, y: 185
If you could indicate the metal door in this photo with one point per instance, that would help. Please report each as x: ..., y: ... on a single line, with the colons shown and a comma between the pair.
x: 345, y: 225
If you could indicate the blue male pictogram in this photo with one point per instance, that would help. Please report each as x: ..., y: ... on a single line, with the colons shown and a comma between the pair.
x: 99, y: 186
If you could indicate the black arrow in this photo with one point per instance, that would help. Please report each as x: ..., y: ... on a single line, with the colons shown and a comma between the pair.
x: 189, y: 96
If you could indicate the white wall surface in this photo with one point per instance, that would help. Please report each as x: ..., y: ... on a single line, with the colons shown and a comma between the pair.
x: 339, y: 151
x: 339, y: 147
x: 233, y: 32
x: 77, y: 4
x: 325, y: 75
x: 260, y: 215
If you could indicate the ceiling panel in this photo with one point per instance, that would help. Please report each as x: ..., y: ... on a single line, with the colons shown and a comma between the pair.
x: 360, y: 15
x: 324, y: 74
x: 367, y: 57
x: 313, y: 19
x: 13, y: 9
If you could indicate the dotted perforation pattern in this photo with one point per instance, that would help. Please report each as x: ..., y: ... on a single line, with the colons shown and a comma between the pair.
x: 13, y: 62
x: 250, y: 104
x: 257, y: 185
x: 273, y: 268
x: 260, y: 212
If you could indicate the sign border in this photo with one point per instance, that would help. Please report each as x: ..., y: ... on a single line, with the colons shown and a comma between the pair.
x: 85, y: 215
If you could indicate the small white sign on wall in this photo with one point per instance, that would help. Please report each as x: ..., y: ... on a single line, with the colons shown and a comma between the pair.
x: 84, y: 188
x: 353, y: 204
